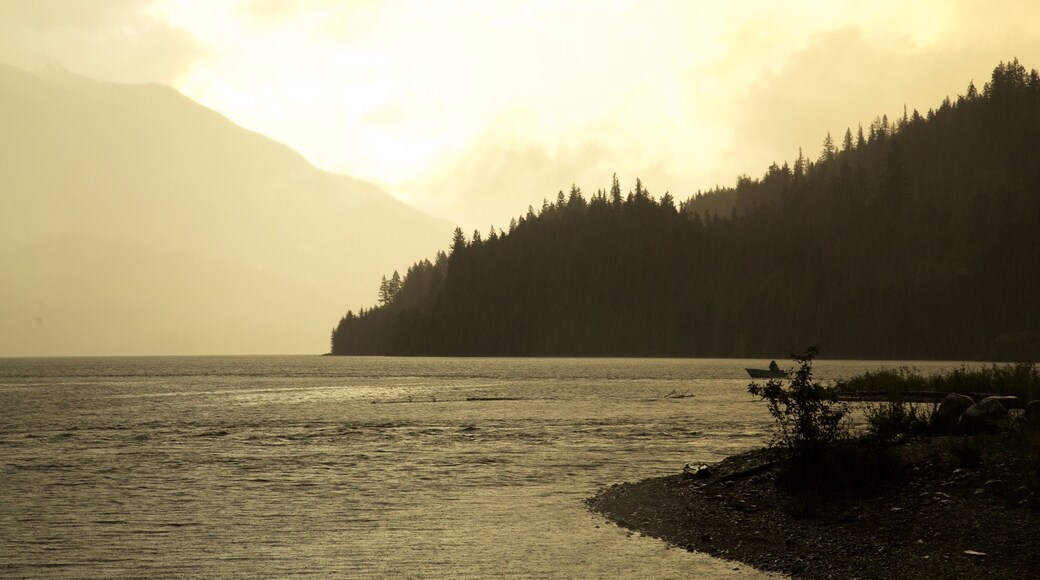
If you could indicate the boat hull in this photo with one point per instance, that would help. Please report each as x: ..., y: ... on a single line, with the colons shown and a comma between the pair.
x: 766, y: 374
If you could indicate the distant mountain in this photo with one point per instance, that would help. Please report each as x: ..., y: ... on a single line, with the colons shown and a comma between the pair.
x: 135, y: 221
x: 916, y: 238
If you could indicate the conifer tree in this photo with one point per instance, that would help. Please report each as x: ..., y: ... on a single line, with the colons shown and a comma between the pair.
x: 384, y: 291
x: 393, y: 286
x: 458, y: 241
x: 827, y: 151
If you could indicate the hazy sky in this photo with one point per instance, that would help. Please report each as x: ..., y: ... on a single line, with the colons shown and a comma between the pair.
x: 475, y: 109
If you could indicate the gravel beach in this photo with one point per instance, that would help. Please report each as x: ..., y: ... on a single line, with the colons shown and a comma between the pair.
x: 943, y: 520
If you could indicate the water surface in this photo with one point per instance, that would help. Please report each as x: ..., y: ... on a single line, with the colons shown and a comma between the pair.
x: 355, y: 467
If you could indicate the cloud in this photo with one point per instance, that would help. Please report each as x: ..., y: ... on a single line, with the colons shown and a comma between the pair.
x: 44, y: 14
x: 844, y: 77
x: 518, y: 162
x: 773, y: 81
x: 119, y: 40
x: 424, y: 97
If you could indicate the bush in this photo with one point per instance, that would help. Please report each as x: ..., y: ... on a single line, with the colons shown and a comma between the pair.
x: 813, y: 432
x: 886, y: 420
x: 809, y: 417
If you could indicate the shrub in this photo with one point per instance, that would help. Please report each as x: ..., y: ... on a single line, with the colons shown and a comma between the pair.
x: 892, y: 418
x: 809, y: 417
x: 813, y: 432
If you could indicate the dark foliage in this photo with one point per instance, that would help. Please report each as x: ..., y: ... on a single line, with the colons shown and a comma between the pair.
x: 1019, y: 379
x: 809, y: 417
x: 819, y: 455
x: 889, y: 419
x: 917, y: 241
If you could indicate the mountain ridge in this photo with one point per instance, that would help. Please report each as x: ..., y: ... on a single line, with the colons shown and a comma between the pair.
x: 126, y: 167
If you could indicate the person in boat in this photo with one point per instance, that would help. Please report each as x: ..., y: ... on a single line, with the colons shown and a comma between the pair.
x: 773, y: 366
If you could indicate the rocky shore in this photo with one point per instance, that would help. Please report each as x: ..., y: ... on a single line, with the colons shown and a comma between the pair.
x: 957, y: 513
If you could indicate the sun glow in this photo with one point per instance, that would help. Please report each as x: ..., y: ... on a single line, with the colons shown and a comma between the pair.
x: 409, y: 94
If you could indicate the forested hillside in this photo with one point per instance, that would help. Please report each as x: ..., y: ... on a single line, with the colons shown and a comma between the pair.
x: 913, y: 238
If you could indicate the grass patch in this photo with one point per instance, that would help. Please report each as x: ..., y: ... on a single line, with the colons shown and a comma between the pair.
x: 1018, y: 379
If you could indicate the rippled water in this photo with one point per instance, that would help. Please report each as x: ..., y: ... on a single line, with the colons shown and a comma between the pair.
x: 356, y: 467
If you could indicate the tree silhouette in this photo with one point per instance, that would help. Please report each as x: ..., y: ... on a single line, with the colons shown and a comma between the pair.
x: 458, y: 241
x: 919, y: 242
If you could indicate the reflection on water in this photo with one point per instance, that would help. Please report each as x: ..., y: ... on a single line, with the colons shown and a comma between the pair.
x: 277, y: 466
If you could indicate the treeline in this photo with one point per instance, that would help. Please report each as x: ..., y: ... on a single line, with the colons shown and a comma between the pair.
x: 914, y: 238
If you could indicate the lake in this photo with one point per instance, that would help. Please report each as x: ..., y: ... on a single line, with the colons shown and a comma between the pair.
x: 357, y: 467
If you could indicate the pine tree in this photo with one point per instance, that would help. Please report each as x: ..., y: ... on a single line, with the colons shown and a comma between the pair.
x: 458, y: 241
x: 828, y: 151
x: 384, y: 291
x: 615, y: 191
x: 574, y: 198
x: 393, y: 287
x: 668, y: 202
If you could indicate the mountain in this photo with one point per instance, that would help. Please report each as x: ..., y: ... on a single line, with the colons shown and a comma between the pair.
x: 135, y: 221
x: 914, y: 239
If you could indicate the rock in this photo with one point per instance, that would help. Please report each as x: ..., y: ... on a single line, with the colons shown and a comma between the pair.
x: 699, y: 471
x: 1020, y: 494
x: 994, y: 485
x: 950, y: 410
x: 1008, y: 401
x: 1032, y: 413
x: 983, y: 416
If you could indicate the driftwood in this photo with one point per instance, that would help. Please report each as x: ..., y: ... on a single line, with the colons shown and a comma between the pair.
x: 748, y: 472
x: 906, y: 396
x: 493, y: 398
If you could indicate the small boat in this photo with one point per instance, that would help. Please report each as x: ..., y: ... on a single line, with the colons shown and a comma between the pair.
x: 766, y: 374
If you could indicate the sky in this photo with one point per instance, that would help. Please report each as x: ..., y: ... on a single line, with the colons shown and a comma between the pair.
x: 474, y: 109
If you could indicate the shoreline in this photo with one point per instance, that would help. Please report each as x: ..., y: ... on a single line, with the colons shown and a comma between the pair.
x: 943, y: 520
